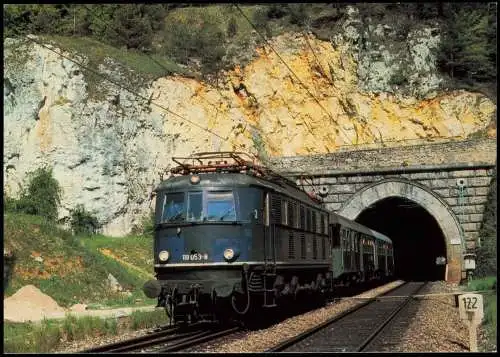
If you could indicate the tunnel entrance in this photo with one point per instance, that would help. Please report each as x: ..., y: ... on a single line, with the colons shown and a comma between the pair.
x: 416, y: 235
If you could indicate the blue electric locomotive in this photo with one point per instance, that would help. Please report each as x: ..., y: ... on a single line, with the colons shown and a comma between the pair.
x: 232, y: 236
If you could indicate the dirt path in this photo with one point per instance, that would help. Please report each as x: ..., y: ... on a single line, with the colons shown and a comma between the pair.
x: 29, y: 304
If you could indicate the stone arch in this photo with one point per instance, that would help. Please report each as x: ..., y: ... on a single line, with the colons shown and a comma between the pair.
x: 421, y: 195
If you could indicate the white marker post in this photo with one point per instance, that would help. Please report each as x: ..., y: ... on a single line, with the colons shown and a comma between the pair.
x: 471, y: 311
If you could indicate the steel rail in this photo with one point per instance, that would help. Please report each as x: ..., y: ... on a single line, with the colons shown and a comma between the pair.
x: 384, y: 323
x: 157, y: 341
x: 123, y: 345
x: 294, y: 340
x: 190, y: 342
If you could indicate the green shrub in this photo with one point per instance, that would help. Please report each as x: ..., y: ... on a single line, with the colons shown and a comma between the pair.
x: 41, y: 197
x: 261, y: 21
x: 398, y: 78
x: 232, y: 27
x: 198, y: 36
x: 299, y: 13
x: 82, y: 221
x: 133, y: 25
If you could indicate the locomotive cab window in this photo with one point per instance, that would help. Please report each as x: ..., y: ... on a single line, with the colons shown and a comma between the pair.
x: 173, y: 208
x: 195, y: 206
x: 220, y: 206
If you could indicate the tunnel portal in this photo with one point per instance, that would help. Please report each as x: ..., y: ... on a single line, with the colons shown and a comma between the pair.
x: 416, y: 235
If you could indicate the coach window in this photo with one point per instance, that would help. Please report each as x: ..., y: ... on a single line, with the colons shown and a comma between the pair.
x: 335, y: 235
x: 313, y: 227
x: 220, y: 206
x: 308, y: 222
x: 195, y: 206
x: 173, y: 207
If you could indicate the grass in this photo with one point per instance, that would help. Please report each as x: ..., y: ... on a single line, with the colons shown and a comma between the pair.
x: 489, y: 323
x: 137, y: 61
x: 48, y: 335
x: 72, y: 270
x: 138, y: 67
x: 134, y: 250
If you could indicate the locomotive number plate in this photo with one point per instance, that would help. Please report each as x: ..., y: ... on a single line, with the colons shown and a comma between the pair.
x: 194, y: 257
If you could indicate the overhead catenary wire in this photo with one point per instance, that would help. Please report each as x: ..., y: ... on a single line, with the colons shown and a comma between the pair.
x: 290, y: 69
x: 126, y: 88
x: 164, y: 68
x: 226, y: 139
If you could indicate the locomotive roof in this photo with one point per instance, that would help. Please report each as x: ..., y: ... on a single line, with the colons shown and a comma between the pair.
x: 207, y: 180
x: 336, y: 218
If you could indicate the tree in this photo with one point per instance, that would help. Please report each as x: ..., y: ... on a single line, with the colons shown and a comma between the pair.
x: 188, y: 37
x: 130, y: 28
x: 42, y: 195
x: 466, y: 49
x: 17, y: 19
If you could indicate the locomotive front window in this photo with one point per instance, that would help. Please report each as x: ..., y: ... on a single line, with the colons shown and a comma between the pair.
x: 195, y: 206
x: 220, y: 206
x: 173, y: 208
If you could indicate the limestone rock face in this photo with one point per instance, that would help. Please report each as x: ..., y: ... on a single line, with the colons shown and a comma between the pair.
x: 108, y: 152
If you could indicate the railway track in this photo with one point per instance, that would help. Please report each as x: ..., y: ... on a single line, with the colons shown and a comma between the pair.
x: 169, y: 339
x: 357, y: 329
x: 177, y: 338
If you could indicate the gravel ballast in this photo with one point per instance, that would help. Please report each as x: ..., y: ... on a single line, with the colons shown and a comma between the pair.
x: 436, y: 327
x: 262, y: 340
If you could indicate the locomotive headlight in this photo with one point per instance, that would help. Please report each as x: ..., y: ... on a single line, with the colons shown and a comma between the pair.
x: 228, y: 254
x: 164, y: 255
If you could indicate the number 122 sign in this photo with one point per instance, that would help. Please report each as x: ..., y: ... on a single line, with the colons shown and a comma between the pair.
x: 471, y: 307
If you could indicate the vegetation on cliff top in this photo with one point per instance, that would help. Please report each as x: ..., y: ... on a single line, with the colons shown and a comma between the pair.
x: 211, y: 37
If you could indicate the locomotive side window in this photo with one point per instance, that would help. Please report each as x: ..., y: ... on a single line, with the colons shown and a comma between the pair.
x: 291, y: 213
x: 319, y: 223
x: 276, y: 209
x: 173, y: 208
x: 195, y: 206
x: 220, y: 206
x: 302, y: 217
x: 284, y: 212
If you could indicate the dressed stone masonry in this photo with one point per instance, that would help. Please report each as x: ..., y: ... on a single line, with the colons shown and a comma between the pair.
x: 449, y: 179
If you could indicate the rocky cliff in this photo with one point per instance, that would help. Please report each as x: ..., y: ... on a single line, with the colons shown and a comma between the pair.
x: 108, y: 151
